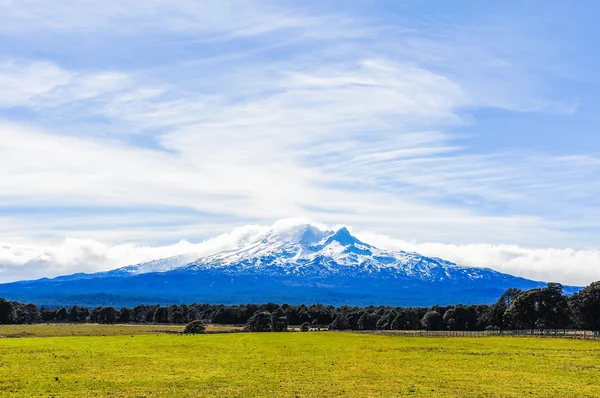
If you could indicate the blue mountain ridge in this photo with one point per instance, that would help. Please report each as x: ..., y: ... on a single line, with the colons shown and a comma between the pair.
x: 299, y: 264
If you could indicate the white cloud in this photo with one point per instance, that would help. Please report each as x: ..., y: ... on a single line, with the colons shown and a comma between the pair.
x: 213, y: 19
x: 22, y: 81
x: 30, y: 261
x: 566, y: 266
x: 43, y: 85
x: 35, y: 260
x: 354, y: 143
x: 68, y: 171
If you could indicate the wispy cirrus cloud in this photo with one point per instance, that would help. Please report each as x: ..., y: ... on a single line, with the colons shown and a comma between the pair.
x: 201, y: 21
x: 44, y: 86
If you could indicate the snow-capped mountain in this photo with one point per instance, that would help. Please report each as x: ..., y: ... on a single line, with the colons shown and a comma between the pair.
x: 305, y: 250
x: 298, y: 264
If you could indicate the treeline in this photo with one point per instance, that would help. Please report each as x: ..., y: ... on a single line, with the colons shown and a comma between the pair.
x: 543, y: 308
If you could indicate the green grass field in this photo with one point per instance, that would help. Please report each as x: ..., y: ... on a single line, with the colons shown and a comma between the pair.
x: 84, y: 329
x: 313, y: 364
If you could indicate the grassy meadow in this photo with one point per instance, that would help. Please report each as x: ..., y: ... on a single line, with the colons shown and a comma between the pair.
x: 147, y: 363
x: 87, y: 329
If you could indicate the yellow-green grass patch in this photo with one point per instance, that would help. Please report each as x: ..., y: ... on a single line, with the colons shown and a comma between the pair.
x: 312, y: 364
x: 88, y: 329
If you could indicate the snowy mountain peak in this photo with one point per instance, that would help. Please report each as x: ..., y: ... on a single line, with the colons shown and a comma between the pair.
x: 307, y: 236
x: 303, y: 234
x: 298, y: 263
x: 344, y: 238
x: 305, y: 250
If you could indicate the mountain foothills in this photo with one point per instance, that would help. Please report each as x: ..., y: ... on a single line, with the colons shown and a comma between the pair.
x: 299, y: 264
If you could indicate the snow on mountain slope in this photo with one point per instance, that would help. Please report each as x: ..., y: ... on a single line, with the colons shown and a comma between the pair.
x: 160, y: 265
x: 305, y: 250
x: 298, y: 264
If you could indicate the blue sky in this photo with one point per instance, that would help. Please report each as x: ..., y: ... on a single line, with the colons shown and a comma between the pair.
x: 462, y: 129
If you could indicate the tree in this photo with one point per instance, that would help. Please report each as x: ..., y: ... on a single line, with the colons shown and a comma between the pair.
x: 458, y: 318
x: 194, y: 327
x: 401, y: 321
x: 32, y: 314
x: 225, y: 315
x: 353, y: 318
x: 494, y: 316
x: 193, y: 314
x: 304, y: 315
x: 62, y: 315
x: 259, y: 322
x: 73, y: 315
x: 545, y: 308
x: 279, y: 322
x: 450, y: 320
x: 161, y: 315
x: 139, y: 314
x: 47, y: 315
x: 586, y: 307
x: 553, y: 310
x: 125, y: 315
x: 385, y: 322
x: 108, y: 315
x: 84, y: 314
x: 6, y: 312
x: 367, y: 321
x: 305, y: 327
x: 94, y: 315
x: 246, y: 311
x: 149, y: 316
x: 270, y: 307
x: 472, y: 317
x: 522, y: 312
x: 340, y: 323
x: 432, y: 320
x: 177, y: 317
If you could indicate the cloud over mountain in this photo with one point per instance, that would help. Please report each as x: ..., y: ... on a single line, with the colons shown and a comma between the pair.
x: 85, y: 255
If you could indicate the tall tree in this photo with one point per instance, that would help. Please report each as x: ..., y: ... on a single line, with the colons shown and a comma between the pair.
x: 62, y: 315
x: 367, y: 321
x: 586, y: 307
x: 260, y: 322
x: 340, y: 323
x: 161, y: 315
x: 494, y: 316
x: 73, y: 315
x: 6, y: 312
x: 553, y: 308
x: 32, y: 314
x: 432, y: 320
x: 279, y: 322
x: 402, y: 320
x: 385, y: 322
x: 108, y: 315
x: 545, y: 308
x: 125, y: 315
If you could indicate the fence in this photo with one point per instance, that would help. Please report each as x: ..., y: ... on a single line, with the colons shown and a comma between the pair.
x: 568, y: 333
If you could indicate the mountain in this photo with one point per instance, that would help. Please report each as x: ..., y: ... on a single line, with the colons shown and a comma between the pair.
x: 299, y: 264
